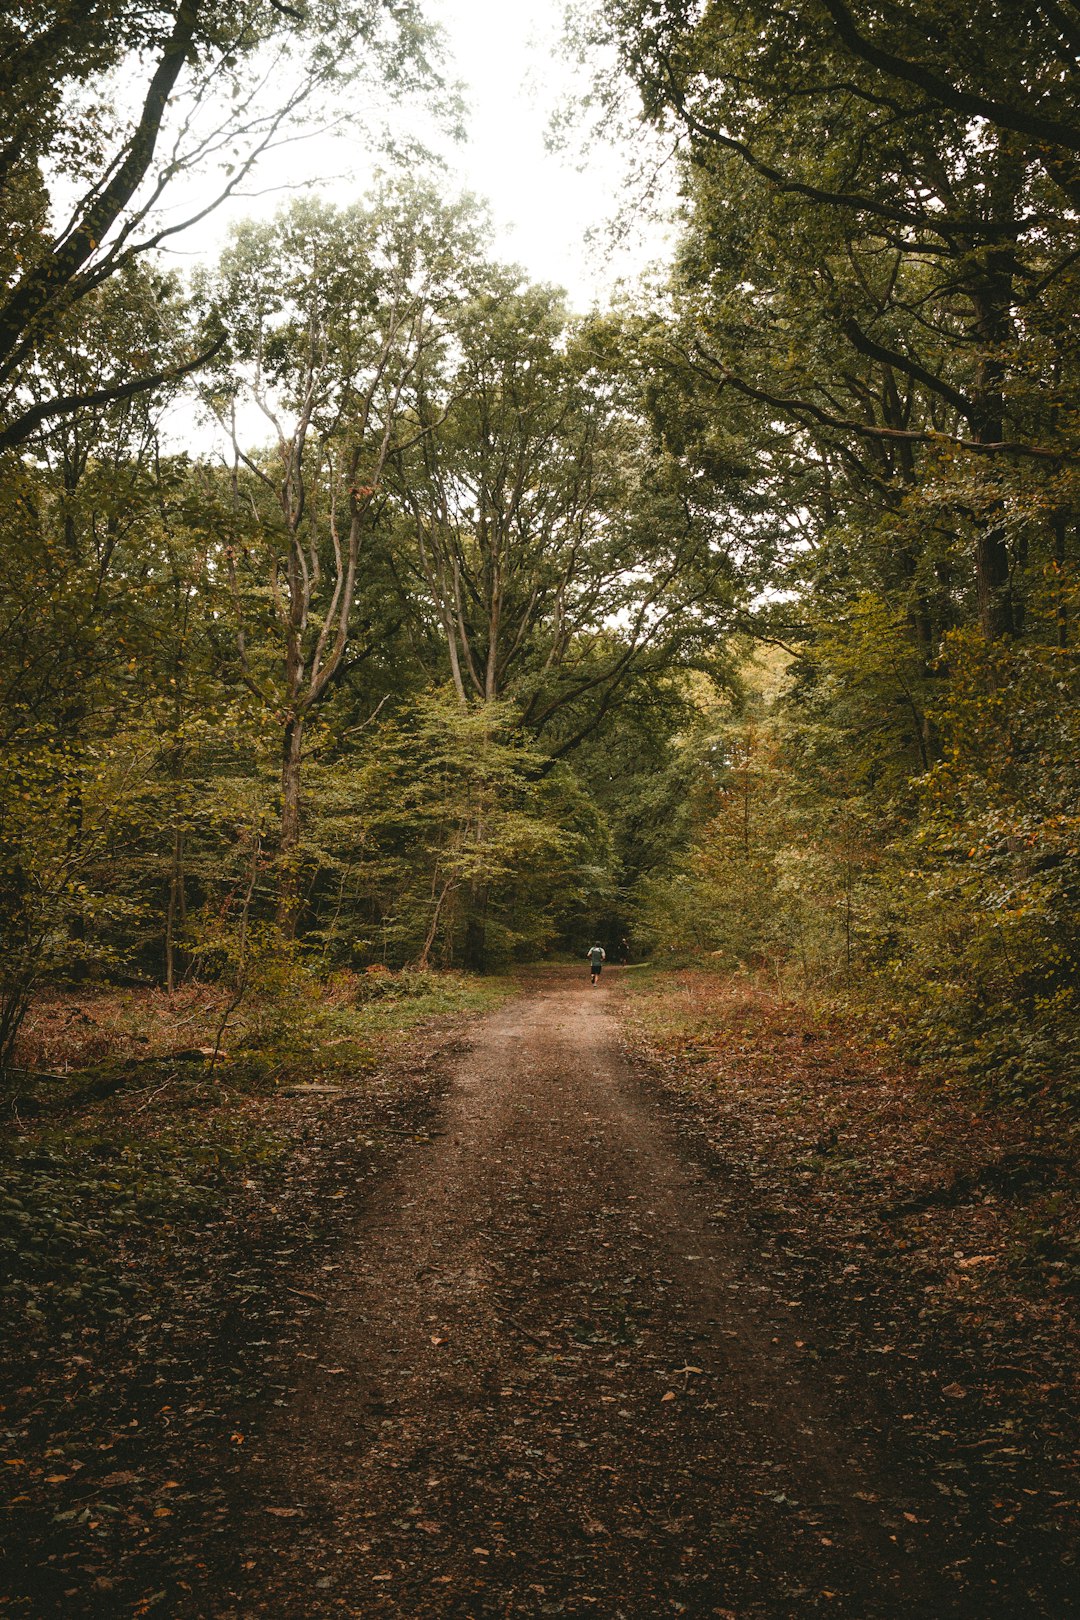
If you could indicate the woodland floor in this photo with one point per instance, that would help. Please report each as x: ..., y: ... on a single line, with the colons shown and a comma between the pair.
x: 657, y: 1298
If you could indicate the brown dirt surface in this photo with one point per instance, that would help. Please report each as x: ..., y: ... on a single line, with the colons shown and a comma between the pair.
x: 588, y: 1343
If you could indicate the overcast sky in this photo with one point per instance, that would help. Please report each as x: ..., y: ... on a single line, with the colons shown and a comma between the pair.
x: 550, y: 211
x: 544, y: 204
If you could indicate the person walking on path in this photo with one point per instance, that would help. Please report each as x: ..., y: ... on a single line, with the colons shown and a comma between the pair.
x: 597, y: 957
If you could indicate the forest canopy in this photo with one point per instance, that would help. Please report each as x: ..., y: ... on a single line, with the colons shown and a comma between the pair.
x: 737, y: 619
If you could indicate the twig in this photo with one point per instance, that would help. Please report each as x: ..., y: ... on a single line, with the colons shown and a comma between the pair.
x: 156, y: 1093
x: 397, y: 1130
x: 524, y: 1331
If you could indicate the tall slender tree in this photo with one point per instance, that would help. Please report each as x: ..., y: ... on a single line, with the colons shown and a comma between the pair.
x: 332, y: 314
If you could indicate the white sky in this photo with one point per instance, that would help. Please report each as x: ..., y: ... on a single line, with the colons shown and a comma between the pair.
x: 544, y: 205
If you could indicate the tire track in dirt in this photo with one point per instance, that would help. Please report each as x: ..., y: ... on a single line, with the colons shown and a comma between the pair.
x: 550, y: 1381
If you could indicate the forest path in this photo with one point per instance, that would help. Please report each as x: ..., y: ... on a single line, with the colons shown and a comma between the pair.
x: 550, y: 1381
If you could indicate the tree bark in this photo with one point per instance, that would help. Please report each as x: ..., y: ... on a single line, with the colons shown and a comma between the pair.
x: 175, y: 908
x: 53, y: 277
x: 289, y: 843
x: 993, y: 297
x: 474, y: 955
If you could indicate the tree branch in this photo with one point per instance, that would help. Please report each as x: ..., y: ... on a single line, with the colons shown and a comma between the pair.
x: 799, y: 408
x: 41, y: 285
x: 911, y: 368
x: 943, y: 225
x: 20, y: 430
x: 1054, y: 131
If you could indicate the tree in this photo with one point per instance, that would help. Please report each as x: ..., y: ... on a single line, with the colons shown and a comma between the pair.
x: 203, y: 66
x: 865, y: 347
x: 893, y: 302
x: 73, y: 603
x: 332, y: 314
x: 455, y: 846
x: 553, y: 545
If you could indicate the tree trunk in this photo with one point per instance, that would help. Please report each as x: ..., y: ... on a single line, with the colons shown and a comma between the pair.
x: 176, y: 908
x: 474, y: 956
x: 423, y: 961
x: 997, y: 615
x: 1058, y: 526
x: 992, y: 583
x: 289, y: 840
x: 993, y: 299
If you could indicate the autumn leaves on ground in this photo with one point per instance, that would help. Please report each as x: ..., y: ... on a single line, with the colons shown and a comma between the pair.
x: 671, y: 1297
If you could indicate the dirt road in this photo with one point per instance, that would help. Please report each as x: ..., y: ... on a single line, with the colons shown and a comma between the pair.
x: 552, y: 1381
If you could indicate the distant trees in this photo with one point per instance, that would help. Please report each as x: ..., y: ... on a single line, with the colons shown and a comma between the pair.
x: 453, y: 842
x: 78, y: 554
x: 541, y: 525
x: 449, y: 656
x: 319, y: 689
x: 510, y: 488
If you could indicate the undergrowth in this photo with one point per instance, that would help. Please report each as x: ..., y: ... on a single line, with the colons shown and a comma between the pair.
x: 125, y: 1134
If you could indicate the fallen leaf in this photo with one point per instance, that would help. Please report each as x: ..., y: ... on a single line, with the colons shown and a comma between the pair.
x: 955, y: 1392
x: 285, y: 1513
x: 670, y: 1396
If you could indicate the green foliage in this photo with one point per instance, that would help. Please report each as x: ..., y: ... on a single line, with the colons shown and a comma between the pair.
x: 992, y: 962
x: 205, y: 87
x: 452, y: 841
x: 943, y: 899
x: 865, y: 354
x: 541, y: 524
x: 444, y: 673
